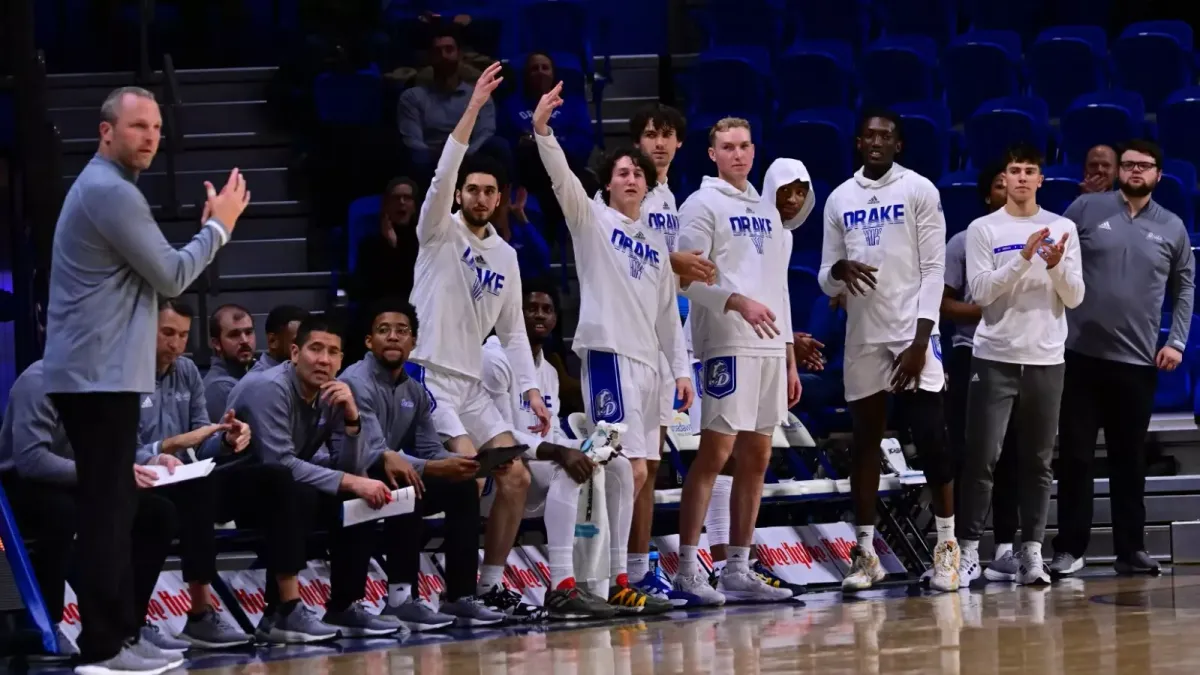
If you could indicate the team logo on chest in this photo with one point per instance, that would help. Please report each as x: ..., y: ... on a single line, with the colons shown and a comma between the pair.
x: 873, y: 219
x: 640, y: 252
x: 665, y: 222
x: 485, y: 280
x: 755, y: 227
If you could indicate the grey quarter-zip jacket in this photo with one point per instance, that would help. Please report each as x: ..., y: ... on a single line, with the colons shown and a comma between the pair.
x: 220, y: 379
x: 109, y: 263
x: 264, y: 363
x: 176, y: 406
x: 395, y: 414
x: 32, y: 440
x: 1130, y: 263
x: 290, y: 431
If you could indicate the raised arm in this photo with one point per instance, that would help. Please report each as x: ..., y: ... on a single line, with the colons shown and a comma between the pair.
x: 574, y: 201
x: 1182, y: 286
x: 485, y: 126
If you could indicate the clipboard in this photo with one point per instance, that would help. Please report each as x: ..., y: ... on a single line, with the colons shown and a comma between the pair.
x: 491, y: 458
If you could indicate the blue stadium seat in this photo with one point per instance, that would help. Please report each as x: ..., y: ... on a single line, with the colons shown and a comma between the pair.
x: 1105, y: 117
x: 1178, y: 123
x: 741, y: 23
x: 804, y: 290
x: 1154, y: 58
x: 732, y: 81
x: 960, y: 200
x: 1067, y: 62
x: 362, y: 219
x: 1000, y: 122
x: 1176, y: 390
x: 815, y: 74
x: 1082, y: 12
x: 926, y: 138
x: 806, y: 239
x: 1176, y: 190
x: 899, y: 69
x: 848, y: 20
x: 350, y: 98
x: 1060, y: 187
x: 822, y: 138
x: 1020, y: 16
x: 936, y: 18
x: 979, y: 66
x: 556, y: 26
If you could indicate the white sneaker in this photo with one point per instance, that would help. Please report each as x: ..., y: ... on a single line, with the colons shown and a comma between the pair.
x: 968, y: 566
x: 1003, y: 568
x: 946, y: 558
x: 749, y: 587
x: 694, y: 589
x: 865, y: 570
x: 1033, y: 570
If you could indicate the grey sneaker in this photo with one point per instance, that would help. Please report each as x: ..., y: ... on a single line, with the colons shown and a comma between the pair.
x: 1065, y: 564
x: 1139, y: 563
x: 300, y: 626
x: 127, y: 661
x: 64, y: 649
x: 1005, y: 568
x: 418, y: 617
x: 158, y: 638
x: 356, y: 621
x: 471, y: 611
x: 152, y: 652
x: 211, y: 631
x: 566, y: 604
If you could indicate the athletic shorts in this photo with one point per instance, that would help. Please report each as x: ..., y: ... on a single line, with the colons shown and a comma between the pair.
x: 541, y: 473
x: 617, y: 389
x: 460, y: 406
x: 744, y: 393
x: 867, y: 369
x: 666, y: 395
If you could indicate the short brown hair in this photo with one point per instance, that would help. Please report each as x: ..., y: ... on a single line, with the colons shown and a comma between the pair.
x: 725, y: 124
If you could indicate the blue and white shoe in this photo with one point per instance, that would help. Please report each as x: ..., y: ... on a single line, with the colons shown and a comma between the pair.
x: 655, y: 585
x: 695, y: 591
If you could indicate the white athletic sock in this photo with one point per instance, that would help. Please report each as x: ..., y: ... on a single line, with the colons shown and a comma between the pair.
x: 1031, y: 548
x: 945, y: 528
x: 866, y: 538
x: 689, y: 563
x: 719, y: 565
x: 489, y: 576
x: 398, y: 594
x: 1002, y: 550
x: 716, y: 520
x: 562, y: 504
x: 969, y: 545
x: 738, y: 559
x: 618, y: 496
x: 639, y: 565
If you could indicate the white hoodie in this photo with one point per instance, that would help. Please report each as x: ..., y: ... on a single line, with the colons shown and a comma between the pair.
x: 498, y: 380
x: 894, y: 224
x: 659, y: 214
x: 743, y: 236
x: 784, y: 171
x: 627, y: 304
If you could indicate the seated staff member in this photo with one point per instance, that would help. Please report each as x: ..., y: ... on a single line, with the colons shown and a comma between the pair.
x: 232, y: 340
x: 295, y: 409
x: 283, y: 322
x: 402, y: 445
x: 37, y: 469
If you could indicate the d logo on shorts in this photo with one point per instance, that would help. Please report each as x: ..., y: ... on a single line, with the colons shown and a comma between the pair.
x: 605, y: 406
x: 720, y: 376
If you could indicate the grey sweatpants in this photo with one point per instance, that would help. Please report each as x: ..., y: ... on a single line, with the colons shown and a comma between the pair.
x: 993, y: 388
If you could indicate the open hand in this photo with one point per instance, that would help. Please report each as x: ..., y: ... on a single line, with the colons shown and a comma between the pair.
x: 228, y: 204
x: 808, y: 351
x: 400, y: 471
x: 858, y: 277
x: 1034, y: 242
x: 537, y: 405
x: 485, y: 85
x: 759, y: 316
x: 1053, y: 253
x: 692, y: 266
x: 908, y: 366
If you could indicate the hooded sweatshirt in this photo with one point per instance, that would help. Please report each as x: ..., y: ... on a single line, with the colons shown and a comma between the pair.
x: 894, y: 224
x: 784, y: 171
x: 743, y: 236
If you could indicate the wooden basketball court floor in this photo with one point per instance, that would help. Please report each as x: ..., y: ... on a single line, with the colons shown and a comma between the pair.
x: 1096, y: 625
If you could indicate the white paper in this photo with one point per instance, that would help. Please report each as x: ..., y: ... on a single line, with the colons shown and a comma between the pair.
x: 358, y: 511
x: 182, y: 472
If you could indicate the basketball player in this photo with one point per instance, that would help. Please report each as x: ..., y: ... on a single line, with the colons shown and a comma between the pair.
x: 628, y: 315
x: 467, y: 284
x: 884, y: 250
x: 1024, y: 281
x: 750, y: 379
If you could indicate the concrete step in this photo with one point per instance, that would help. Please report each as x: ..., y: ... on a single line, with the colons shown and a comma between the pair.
x: 244, y: 256
x: 262, y: 301
x: 266, y: 185
x: 200, y: 159
x: 193, y: 119
x: 248, y: 227
x: 87, y: 90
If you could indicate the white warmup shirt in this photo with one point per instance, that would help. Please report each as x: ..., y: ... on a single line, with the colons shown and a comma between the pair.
x: 465, y: 286
x: 894, y: 224
x: 498, y: 380
x: 627, y: 305
x: 1024, y: 303
x: 659, y: 214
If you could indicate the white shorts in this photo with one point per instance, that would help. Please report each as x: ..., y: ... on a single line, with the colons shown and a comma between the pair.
x: 666, y: 395
x: 617, y: 389
x: 867, y: 369
x: 744, y: 393
x: 460, y: 406
x: 541, y: 473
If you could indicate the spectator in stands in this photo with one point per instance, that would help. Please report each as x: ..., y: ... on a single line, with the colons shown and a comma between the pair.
x: 1133, y: 251
x: 958, y: 307
x: 428, y: 113
x: 37, y: 470
x: 294, y: 410
x: 175, y: 429
x: 1099, y: 170
x: 232, y: 340
x: 512, y: 224
x: 386, y: 260
x: 403, y: 448
x: 282, y: 323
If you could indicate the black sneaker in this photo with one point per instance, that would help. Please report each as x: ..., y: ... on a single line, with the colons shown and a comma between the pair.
x: 512, y: 605
x: 771, y: 580
x: 572, y: 604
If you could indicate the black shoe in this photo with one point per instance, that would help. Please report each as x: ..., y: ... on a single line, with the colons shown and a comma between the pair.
x: 512, y: 605
x: 1139, y: 563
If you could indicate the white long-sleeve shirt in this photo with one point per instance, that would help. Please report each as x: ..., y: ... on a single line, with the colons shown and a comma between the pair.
x: 1024, y: 303
x: 465, y: 286
x: 498, y: 380
x: 660, y: 214
x: 744, y: 237
x: 894, y: 224
x: 627, y: 304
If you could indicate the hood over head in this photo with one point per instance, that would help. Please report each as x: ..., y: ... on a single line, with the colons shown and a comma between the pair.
x: 782, y: 172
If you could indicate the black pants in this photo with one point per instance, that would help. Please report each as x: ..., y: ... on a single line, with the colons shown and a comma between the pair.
x: 102, y: 429
x: 1118, y: 397
x: 259, y: 497
x: 48, y: 519
x: 1005, y: 503
x: 460, y: 502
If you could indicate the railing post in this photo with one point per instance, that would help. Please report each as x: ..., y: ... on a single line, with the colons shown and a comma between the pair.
x: 145, y: 18
x: 173, y: 133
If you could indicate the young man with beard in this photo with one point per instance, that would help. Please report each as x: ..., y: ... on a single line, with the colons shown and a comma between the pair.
x: 1133, y: 251
x: 1025, y: 282
x: 468, y: 283
x: 556, y: 464
x: 628, y: 315
x: 282, y: 324
x: 403, y: 448
x: 884, y: 250
x: 232, y: 340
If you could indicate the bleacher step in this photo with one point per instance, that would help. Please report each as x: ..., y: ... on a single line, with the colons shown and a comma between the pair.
x: 199, y: 159
x: 204, y: 85
x: 268, y: 185
x: 228, y: 117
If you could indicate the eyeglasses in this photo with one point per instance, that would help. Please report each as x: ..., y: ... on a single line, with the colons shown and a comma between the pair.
x: 401, y: 331
x: 1138, y: 166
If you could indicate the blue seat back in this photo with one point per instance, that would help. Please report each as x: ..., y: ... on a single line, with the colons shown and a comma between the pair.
x: 362, y: 219
x: 898, y: 69
x: 960, y: 200
x: 815, y: 74
x: 1178, y: 125
x: 1001, y: 122
x: 848, y: 20
x: 936, y: 18
x: 1106, y: 117
x: 1060, y: 187
x: 1020, y: 16
x: 731, y: 81
x: 803, y: 289
x: 969, y: 56
x: 728, y: 23
x: 1176, y: 190
x: 556, y: 26
x: 1067, y: 62
x: 822, y: 139
x: 806, y: 239
x: 926, y: 138
x: 349, y: 98
x: 1154, y: 58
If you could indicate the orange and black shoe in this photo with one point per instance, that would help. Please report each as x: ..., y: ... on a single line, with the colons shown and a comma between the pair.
x: 629, y: 600
x: 771, y: 580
